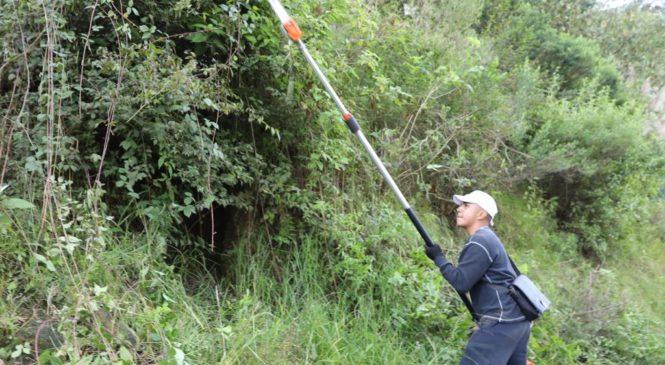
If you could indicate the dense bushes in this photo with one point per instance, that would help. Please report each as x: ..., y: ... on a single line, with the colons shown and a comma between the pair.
x: 574, y: 60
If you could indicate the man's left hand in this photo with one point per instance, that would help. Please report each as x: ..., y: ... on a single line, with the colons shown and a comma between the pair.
x: 433, y: 251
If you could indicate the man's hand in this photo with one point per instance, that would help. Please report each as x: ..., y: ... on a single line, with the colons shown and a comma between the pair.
x: 433, y: 251
x: 435, y: 254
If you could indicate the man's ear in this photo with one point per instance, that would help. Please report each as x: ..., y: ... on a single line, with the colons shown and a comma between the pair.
x: 483, y: 215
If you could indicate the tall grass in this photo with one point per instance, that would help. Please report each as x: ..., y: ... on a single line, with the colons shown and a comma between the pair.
x: 133, y: 302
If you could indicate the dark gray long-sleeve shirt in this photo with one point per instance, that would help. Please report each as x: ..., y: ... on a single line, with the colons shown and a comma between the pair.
x: 485, y: 272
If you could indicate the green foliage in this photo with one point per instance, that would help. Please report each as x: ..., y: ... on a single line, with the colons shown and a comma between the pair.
x: 573, y: 61
x: 642, y: 29
x: 8, y: 205
x: 581, y: 155
x: 631, y: 34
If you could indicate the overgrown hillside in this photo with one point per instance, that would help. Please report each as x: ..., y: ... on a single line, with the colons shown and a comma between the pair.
x: 176, y: 187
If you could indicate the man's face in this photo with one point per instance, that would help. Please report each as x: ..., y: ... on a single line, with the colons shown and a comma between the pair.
x: 468, y: 214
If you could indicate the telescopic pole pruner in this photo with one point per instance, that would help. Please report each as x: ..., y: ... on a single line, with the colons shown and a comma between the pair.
x: 292, y: 30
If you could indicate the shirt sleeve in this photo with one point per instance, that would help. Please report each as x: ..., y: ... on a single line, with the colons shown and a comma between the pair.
x: 474, y: 261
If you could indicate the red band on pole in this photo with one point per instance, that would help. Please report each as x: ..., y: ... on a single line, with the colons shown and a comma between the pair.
x: 347, y: 116
x: 292, y: 30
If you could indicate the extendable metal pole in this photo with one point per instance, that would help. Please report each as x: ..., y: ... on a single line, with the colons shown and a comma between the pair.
x: 294, y: 33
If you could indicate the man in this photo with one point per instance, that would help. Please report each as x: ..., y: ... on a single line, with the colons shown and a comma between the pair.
x: 502, y: 332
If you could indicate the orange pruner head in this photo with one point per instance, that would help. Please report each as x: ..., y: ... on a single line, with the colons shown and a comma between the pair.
x: 292, y: 30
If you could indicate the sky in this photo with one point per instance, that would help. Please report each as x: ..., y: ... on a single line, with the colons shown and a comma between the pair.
x: 610, y: 4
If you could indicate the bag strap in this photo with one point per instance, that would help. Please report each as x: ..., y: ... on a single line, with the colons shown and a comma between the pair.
x: 517, y: 271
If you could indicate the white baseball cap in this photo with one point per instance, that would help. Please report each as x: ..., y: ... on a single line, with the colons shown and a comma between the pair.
x: 482, y: 199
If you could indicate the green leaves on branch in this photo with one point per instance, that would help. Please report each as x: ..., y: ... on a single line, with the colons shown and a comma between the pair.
x: 7, y: 205
x: 16, y: 203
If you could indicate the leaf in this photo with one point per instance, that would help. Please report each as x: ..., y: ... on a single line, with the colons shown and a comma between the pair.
x: 198, y: 37
x: 167, y: 298
x: 210, y: 103
x: 47, y: 357
x: 70, y: 247
x: 69, y: 239
x: 127, y: 144
x: 52, y: 252
x: 434, y: 167
x: 4, y: 221
x: 16, y: 203
x: 32, y: 165
x: 93, y: 305
x: 179, y: 357
x: 17, y: 352
x: 86, y: 360
x: 188, y: 210
x: 100, y: 290
x: 125, y: 355
x: 45, y: 261
x: 397, y: 279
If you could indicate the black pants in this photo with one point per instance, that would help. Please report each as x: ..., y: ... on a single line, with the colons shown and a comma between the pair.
x: 496, y: 343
